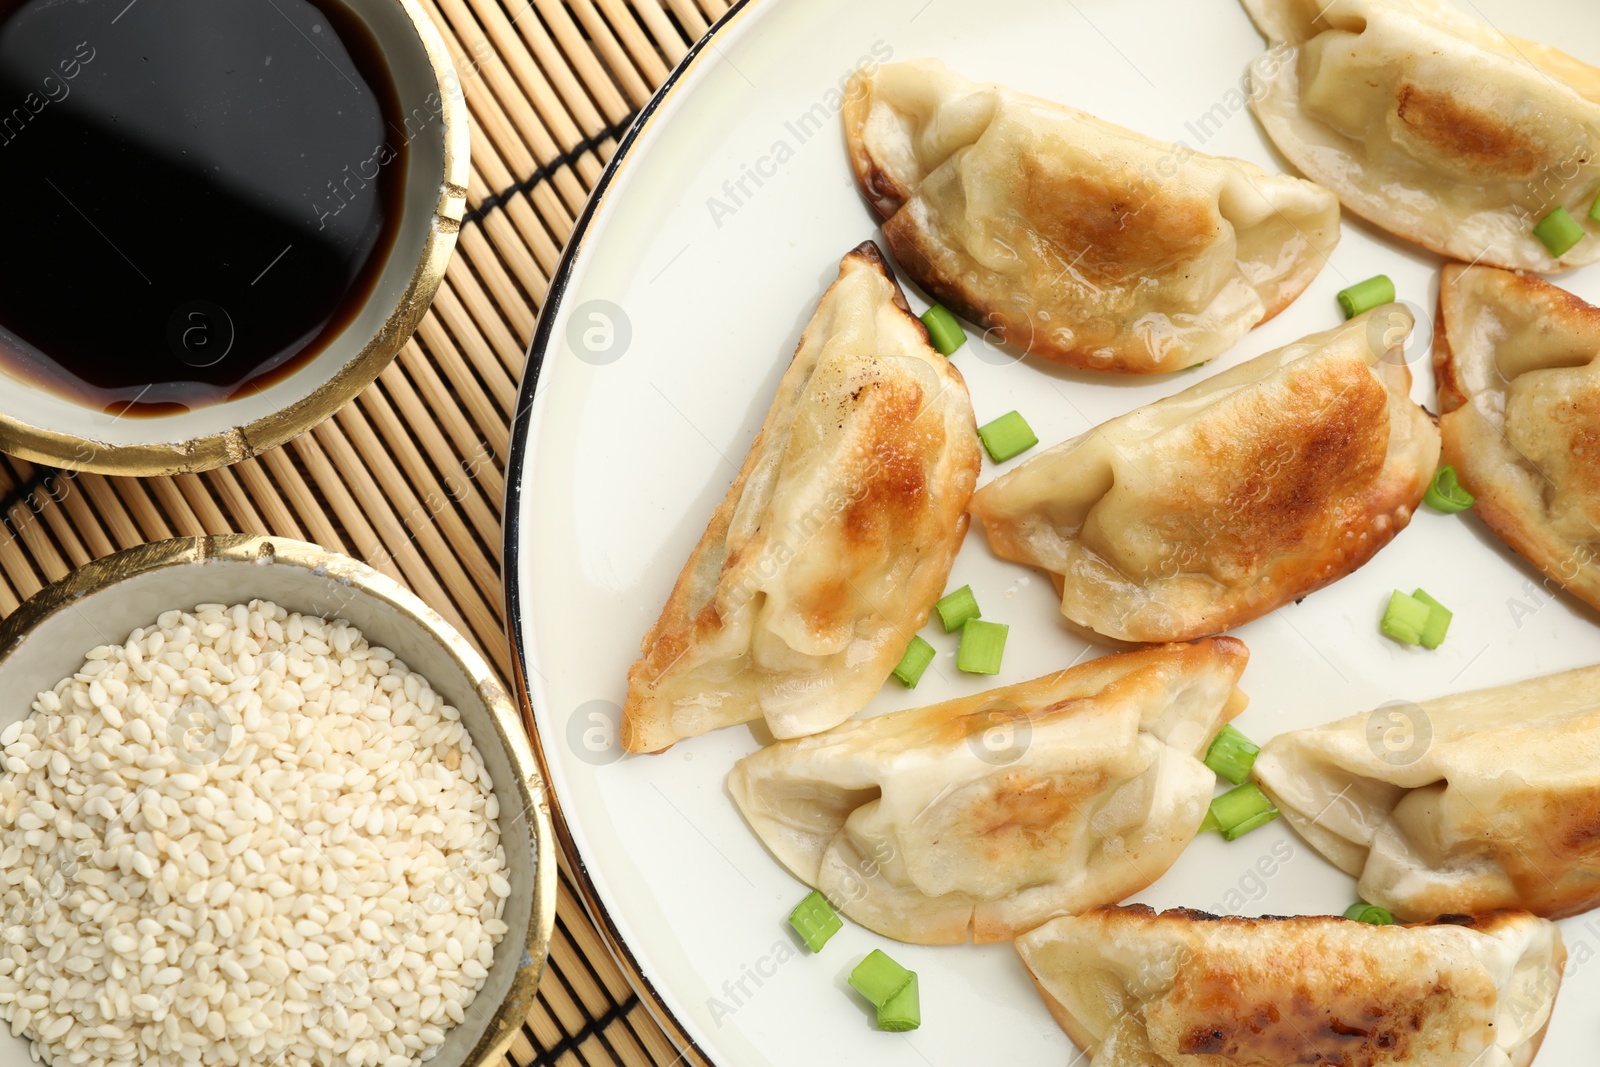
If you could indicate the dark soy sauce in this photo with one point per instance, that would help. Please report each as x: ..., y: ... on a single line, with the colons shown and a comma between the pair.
x: 200, y: 193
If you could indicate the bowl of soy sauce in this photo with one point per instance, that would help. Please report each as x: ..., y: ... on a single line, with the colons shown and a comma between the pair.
x: 227, y: 216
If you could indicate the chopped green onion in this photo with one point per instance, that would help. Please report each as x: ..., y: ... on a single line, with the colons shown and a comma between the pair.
x: 956, y: 608
x: 1238, y: 811
x: 879, y: 978
x: 1405, y: 619
x: 982, y: 646
x: 1237, y: 805
x: 903, y: 1011
x: 918, y: 655
x: 1559, y: 232
x: 943, y: 329
x: 1363, y: 912
x: 1364, y: 296
x: 1438, y: 623
x: 1417, y: 619
x: 1446, y: 494
x: 1232, y: 755
x: 1009, y: 435
x: 1594, y: 212
x: 1209, y: 822
x: 1255, y: 822
x: 813, y: 919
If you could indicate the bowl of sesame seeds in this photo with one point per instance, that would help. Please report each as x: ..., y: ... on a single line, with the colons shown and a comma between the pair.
x: 259, y: 805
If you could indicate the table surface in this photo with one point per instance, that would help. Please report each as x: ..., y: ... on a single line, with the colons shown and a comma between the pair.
x: 410, y: 477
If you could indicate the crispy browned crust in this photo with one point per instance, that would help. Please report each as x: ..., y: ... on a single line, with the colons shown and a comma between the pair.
x: 1571, y: 844
x: 1087, y: 213
x: 884, y: 194
x: 1508, y: 524
x: 1451, y: 395
x: 1289, y: 509
x: 1386, y: 514
x: 678, y: 628
x: 1491, y: 144
x: 1484, y: 922
x: 1478, y: 140
x: 1506, y: 518
x: 1388, y: 511
x: 1295, y: 503
x: 1255, y: 1025
x: 869, y: 252
x: 912, y: 248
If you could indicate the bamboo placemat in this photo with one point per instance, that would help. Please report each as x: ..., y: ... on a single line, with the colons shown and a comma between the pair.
x: 410, y: 476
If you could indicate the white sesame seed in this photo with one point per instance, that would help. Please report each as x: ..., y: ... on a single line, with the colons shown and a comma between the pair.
x: 275, y: 844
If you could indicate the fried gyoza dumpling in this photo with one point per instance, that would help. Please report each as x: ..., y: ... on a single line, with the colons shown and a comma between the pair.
x: 1438, y: 128
x: 1463, y: 804
x: 1518, y: 364
x: 1213, y: 507
x: 1075, y: 239
x: 834, y: 541
x: 1187, y: 989
x: 995, y: 812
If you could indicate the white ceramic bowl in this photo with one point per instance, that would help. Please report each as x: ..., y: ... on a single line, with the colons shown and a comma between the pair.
x: 44, y: 427
x: 46, y: 639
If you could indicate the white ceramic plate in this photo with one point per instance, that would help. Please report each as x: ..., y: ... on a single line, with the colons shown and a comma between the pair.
x: 628, y: 447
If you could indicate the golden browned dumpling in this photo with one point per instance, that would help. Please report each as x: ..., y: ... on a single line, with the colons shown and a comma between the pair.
x: 1462, y: 804
x: 1187, y: 989
x: 834, y: 541
x: 1437, y: 127
x: 1086, y: 788
x: 1518, y: 364
x: 1214, y: 506
x: 1078, y: 240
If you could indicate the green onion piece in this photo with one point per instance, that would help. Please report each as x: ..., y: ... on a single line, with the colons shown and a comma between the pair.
x: 1255, y: 822
x: 944, y: 331
x: 1232, y: 755
x: 1594, y: 212
x: 1446, y: 494
x: 956, y: 608
x: 918, y: 655
x: 982, y: 646
x: 1559, y: 232
x: 1405, y: 619
x: 1237, y: 805
x: 1209, y: 822
x: 813, y: 919
x: 1438, y: 623
x: 1009, y: 435
x: 879, y: 978
x: 1238, y: 811
x: 1362, y: 912
x: 903, y: 1011
x: 1364, y: 296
